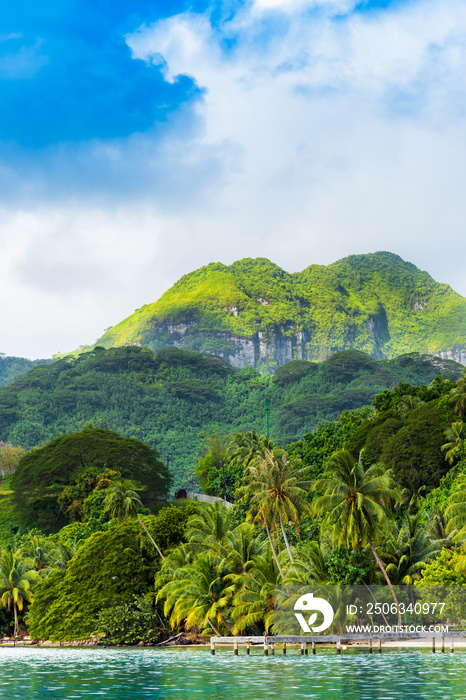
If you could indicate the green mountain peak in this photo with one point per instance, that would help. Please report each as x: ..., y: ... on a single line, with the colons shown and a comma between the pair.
x: 254, y: 312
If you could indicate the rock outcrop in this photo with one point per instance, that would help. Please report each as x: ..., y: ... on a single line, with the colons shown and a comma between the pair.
x: 254, y: 313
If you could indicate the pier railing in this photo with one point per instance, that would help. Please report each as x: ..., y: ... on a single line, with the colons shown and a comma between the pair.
x: 269, y: 643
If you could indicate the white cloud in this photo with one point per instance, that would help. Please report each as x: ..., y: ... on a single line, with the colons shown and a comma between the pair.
x: 316, y: 138
x: 332, y: 6
x: 73, y: 272
x: 349, y: 134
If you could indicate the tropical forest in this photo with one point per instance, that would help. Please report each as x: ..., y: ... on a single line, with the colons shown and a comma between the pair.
x: 347, y: 471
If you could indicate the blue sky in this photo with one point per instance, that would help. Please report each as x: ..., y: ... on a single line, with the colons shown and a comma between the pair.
x: 139, y: 140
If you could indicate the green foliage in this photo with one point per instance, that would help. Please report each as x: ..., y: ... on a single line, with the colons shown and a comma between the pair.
x: 169, y: 527
x: 210, y: 470
x: 107, y: 571
x: 130, y: 623
x: 42, y: 475
x: 9, y: 458
x: 82, y: 499
x: 8, y: 528
x: 406, y: 442
x: 12, y: 367
x: 17, y: 577
x: 172, y: 399
x: 443, y: 571
x: 354, y: 499
x: 376, y: 303
x: 349, y: 566
x: 317, y: 447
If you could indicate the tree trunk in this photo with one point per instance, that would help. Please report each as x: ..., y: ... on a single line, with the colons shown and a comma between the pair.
x: 227, y: 625
x: 214, y: 628
x: 287, y: 544
x: 273, y: 550
x: 15, y: 633
x: 382, y: 569
x: 150, y: 537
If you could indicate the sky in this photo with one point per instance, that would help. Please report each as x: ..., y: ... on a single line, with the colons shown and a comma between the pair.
x: 140, y: 140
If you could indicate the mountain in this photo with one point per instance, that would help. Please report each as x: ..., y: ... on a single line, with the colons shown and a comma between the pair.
x: 254, y: 313
x: 12, y: 367
x: 172, y: 398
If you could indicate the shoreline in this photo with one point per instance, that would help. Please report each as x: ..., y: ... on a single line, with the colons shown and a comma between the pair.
x: 460, y: 643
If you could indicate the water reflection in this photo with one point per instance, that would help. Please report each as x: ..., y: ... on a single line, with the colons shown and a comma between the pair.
x: 178, y: 674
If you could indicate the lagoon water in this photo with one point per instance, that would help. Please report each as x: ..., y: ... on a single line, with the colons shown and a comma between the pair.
x: 181, y: 674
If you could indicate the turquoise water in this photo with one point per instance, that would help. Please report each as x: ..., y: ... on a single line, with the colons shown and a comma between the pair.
x: 179, y: 674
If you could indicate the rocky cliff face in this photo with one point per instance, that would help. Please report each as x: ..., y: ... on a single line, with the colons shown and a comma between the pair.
x: 266, y: 349
x: 254, y: 313
x: 458, y: 354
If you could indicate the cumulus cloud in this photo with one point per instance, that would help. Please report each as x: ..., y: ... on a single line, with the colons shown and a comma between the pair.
x: 298, y: 130
x: 349, y: 131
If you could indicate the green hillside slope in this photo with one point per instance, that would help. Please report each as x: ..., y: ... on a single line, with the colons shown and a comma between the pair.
x: 12, y: 367
x: 253, y: 312
x: 171, y: 398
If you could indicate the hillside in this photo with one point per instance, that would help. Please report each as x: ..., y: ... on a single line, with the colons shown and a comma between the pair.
x: 254, y: 313
x: 170, y: 399
x: 12, y: 367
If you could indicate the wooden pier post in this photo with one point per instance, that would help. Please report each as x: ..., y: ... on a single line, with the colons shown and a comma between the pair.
x: 314, y: 648
x: 443, y: 645
x: 235, y: 647
x: 212, y: 647
x: 306, y: 650
x: 380, y: 646
x: 370, y: 645
x: 248, y: 648
x: 272, y: 649
x: 433, y: 645
x: 302, y: 648
x: 339, y: 647
x: 284, y: 647
x: 451, y: 646
x: 266, y: 647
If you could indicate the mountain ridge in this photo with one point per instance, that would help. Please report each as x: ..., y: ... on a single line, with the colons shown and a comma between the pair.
x: 253, y: 312
x: 172, y: 398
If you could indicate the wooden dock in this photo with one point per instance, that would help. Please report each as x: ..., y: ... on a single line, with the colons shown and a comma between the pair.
x: 305, y: 642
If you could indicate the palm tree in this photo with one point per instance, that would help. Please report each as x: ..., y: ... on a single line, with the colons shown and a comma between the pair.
x: 123, y: 502
x: 208, y: 528
x: 242, y: 546
x: 277, y: 494
x: 200, y: 593
x: 62, y: 554
x: 16, y: 580
x: 411, y: 548
x: 39, y: 553
x: 408, y: 403
x: 355, y: 502
x: 438, y: 527
x: 413, y: 490
x: 245, y: 447
x: 458, y: 396
x: 310, y: 565
x: 254, y: 602
x: 456, y: 510
x: 455, y: 445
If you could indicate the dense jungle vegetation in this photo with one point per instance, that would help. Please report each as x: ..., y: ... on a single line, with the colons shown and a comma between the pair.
x: 377, y: 303
x: 172, y: 399
x: 366, y: 498
x: 12, y: 367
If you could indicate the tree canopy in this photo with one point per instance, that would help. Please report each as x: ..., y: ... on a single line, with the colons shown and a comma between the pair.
x: 42, y: 475
x: 107, y: 571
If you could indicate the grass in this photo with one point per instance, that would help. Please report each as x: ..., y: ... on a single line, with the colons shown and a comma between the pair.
x: 5, y: 488
x: 6, y: 520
